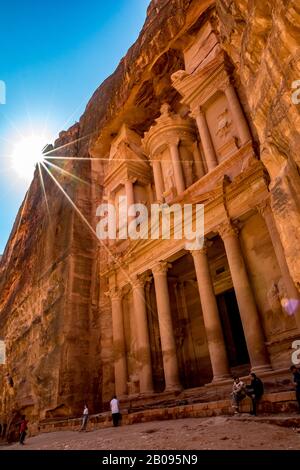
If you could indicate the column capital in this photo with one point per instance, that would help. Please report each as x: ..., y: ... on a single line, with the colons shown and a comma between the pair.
x: 264, y: 207
x: 227, y: 229
x: 155, y: 156
x: 129, y: 179
x: 148, y: 278
x: 201, y: 251
x: 114, y: 294
x: 138, y: 281
x: 161, y: 267
x: 207, y: 243
x: 197, y: 111
x: 172, y: 140
x: 225, y: 84
x: 155, y: 161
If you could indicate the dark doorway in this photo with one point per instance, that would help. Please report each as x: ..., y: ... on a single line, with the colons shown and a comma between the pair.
x: 232, y: 329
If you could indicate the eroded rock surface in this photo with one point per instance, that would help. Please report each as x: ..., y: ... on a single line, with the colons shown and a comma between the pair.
x: 262, y: 39
x: 54, y: 314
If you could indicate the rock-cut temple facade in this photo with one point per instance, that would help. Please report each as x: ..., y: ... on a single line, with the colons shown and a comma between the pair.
x: 200, y: 111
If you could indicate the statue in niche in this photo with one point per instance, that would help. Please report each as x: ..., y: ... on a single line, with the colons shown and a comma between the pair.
x: 165, y: 110
x: 277, y: 297
x: 224, y: 124
x: 188, y: 172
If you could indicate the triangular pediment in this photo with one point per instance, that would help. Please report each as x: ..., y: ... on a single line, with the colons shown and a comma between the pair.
x: 125, y: 136
x: 203, y: 83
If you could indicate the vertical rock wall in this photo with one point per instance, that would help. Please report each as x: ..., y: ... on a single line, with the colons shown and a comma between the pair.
x: 262, y: 39
x: 54, y: 313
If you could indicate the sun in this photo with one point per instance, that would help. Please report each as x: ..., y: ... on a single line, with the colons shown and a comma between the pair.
x: 26, y: 154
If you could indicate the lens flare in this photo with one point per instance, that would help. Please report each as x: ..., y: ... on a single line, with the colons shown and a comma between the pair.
x: 26, y: 154
x: 290, y: 306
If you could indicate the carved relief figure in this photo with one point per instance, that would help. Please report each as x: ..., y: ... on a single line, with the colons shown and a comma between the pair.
x: 224, y: 124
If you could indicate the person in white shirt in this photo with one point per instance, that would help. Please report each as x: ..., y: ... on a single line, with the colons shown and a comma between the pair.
x: 85, y: 418
x: 115, y: 410
x: 238, y: 394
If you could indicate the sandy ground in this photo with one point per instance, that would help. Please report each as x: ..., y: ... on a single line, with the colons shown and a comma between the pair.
x: 182, y: 434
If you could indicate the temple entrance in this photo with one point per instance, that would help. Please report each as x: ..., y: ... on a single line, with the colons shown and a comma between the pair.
x: 232, y: 329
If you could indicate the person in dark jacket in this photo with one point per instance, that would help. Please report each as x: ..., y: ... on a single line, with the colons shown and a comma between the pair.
x: 23, y: 429
x: 296, y: 375
x: 255, y: 391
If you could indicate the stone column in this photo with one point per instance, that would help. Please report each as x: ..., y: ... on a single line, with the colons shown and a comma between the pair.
x: 211, y: 318
x: 120, y: 360
x: 142, y: 333
x: 292, y: 292
x: 237, y: 114
x: 111, y: 200
x: 198, y: 161
x: 208, y: 146
x: 129, y: 191
x: 158, y: 180
x: 150, y: 193
x: 166, y: 327
x: 177, y: 167
x: 245, y: 299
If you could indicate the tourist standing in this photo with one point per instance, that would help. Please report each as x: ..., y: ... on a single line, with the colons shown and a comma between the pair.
x: 85, y: 418
x: 23, y: 429
x: 255, y: 391
x: 238, y: 394
x: 296, y: 376
x: 115, y: 410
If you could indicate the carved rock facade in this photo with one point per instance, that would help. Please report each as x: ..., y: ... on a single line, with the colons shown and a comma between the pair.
x: 192, y: 114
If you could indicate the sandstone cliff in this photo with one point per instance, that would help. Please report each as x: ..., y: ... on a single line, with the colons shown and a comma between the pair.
x: 52, y: 302
x: 49, y: 288
x: 262, y: 38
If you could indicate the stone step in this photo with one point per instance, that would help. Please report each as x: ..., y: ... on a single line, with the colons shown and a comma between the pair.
x: 280, y: 402
x: 274, y: 381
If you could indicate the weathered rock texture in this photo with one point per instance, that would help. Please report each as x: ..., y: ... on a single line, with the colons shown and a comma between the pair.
x: 54, y: 314
x: 263, y: 41
x: 41, y: 318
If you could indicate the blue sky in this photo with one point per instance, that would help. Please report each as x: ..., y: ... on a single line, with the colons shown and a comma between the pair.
x: 54, y: 54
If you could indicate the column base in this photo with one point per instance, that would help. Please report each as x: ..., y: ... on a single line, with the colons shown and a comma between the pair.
x: 221, y: 378
x: 146, y: 394
x: 173, y: 388
x: 263, y: 368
